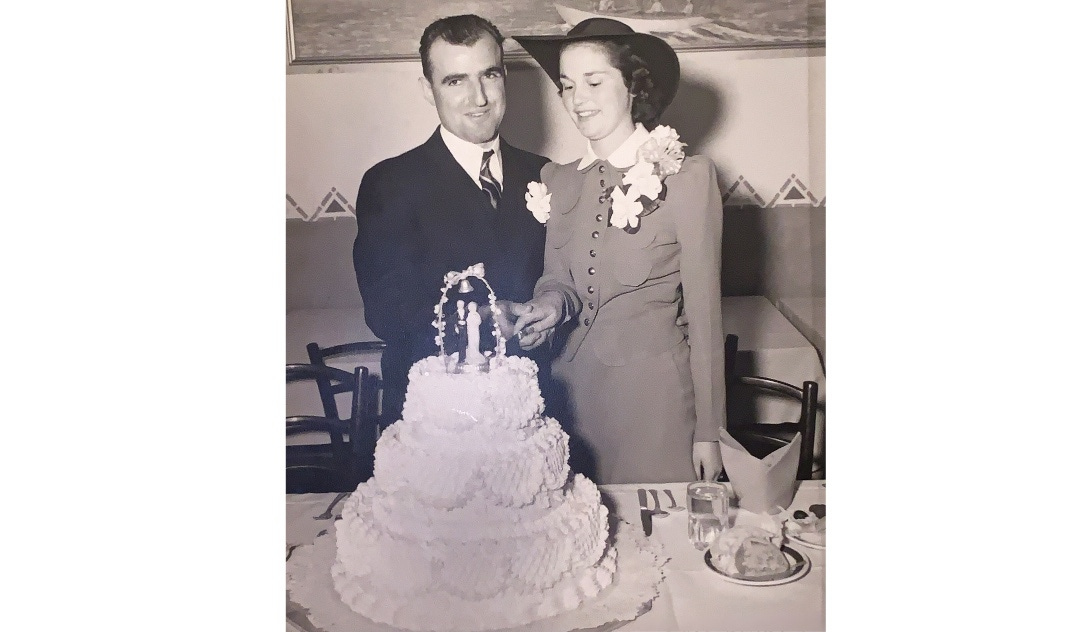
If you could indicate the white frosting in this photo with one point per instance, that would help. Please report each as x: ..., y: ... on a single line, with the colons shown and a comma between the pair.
x: 471, y: 521
x: 505, y: 397
x: 447, y: 471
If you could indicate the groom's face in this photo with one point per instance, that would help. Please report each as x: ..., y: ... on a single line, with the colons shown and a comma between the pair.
x: 467, y: 87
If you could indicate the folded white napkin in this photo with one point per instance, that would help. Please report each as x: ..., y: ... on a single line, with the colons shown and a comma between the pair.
x: 761, y: 485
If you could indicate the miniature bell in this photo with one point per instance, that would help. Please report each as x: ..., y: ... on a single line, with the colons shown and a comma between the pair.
x: 465, y: 287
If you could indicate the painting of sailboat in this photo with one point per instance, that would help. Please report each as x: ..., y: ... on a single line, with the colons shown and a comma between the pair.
x: 345, y: 31
x: 643, y: 17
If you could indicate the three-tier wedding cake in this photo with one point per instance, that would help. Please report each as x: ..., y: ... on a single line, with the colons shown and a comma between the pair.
x: 473, y: 520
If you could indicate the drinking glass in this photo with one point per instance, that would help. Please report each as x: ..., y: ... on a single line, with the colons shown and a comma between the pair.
x: 708, y: 504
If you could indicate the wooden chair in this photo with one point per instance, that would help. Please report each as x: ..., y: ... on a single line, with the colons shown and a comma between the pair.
x: 319, y: 355
x: 335, y: 466
x: 322, y: 355
x: 760, y: 439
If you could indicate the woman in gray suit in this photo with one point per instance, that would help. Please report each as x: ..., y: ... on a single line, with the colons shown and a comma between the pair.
x: 632, y: 266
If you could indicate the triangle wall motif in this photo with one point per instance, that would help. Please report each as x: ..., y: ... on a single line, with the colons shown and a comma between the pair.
x: 333, y: 205
x: 742, y: 194
x: 793, y: 193
x: 293, y: 210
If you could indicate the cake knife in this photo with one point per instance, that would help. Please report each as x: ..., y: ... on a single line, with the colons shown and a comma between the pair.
x: 646, y: 513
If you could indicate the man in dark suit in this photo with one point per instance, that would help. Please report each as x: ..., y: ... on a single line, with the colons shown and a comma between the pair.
x: 454, y: 201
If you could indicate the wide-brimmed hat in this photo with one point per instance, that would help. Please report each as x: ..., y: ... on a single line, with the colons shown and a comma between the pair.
x: 660, y: 57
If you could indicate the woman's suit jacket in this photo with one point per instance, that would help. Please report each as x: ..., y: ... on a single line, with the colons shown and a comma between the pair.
x: 632, y: 296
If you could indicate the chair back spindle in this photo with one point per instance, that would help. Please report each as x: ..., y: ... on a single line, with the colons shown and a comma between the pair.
x: 761, y: 438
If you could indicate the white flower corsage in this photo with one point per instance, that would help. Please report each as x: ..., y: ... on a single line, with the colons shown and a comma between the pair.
x: 642, y: 187
x: 625, y: 209
x: 538, y: 201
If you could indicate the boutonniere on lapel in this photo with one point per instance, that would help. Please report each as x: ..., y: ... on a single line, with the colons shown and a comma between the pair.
x: 643, y: 187
x: 538, y: 201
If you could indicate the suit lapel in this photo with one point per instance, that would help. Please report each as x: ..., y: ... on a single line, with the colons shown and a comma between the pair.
x: 514, y: 183
x: 469, y: 200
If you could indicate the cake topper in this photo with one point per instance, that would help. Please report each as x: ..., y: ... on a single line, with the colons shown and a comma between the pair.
x: 472, y: 353
x: 468, y: 324
x: 460, y: 329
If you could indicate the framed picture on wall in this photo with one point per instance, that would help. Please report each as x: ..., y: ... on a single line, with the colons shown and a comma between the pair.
x: 350, y: 31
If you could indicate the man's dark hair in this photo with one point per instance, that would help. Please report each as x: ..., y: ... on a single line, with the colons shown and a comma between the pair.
x: 459, y: 30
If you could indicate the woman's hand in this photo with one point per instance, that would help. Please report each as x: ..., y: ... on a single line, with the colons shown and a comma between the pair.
x: 536, y: 319
x: 705, y: 456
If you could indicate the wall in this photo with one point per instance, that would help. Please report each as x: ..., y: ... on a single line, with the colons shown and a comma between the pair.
x: 760, y: 115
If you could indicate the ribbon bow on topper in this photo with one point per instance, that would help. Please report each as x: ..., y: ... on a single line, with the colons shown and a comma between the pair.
x: 453, y: 278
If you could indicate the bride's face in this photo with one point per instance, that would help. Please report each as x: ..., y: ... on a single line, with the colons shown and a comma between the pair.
x: 593, y: 92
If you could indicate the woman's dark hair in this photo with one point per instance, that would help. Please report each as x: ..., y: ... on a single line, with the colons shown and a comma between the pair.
x: 645, y: 107
x: 459, y: 30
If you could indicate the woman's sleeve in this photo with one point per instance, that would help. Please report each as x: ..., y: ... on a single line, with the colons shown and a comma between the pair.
x: 700, y: 229
x: 556, y: 277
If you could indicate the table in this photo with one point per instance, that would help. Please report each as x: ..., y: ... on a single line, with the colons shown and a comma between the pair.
x: 771, y: 346
x: 808, y: 316
x: 692, y: 597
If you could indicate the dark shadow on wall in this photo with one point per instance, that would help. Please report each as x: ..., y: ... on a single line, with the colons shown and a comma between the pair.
x: 525, y: 124
x: 698, y: 112
x: 744, y: 252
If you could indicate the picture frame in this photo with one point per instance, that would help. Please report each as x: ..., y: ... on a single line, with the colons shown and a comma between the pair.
x: 321, y: 32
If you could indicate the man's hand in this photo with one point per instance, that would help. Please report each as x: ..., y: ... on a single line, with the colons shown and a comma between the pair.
x: 705, y: 456
x: 536, y: 319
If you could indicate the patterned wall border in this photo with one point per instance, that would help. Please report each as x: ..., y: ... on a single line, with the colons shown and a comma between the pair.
x: 740, y: 194
x: 793, y: 193
x: 332, y: 206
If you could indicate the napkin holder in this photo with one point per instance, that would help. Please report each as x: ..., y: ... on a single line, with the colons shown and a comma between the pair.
x: 762, y: 485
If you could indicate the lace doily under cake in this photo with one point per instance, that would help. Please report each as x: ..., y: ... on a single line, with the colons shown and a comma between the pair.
x: 636, y: 584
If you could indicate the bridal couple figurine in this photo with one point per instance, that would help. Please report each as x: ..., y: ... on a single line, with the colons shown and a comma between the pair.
x: 467, y: 334
x: 609, y: 265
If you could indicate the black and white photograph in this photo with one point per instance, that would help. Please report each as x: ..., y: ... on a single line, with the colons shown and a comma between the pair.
x: 555, y: 315
x: 554, y: 282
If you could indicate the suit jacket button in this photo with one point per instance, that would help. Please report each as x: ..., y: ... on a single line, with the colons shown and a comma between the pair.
x: 596, y: 234
x: 599, y: 217
x: 591, y: 306
x: 590, y: 289
x: 601, y: 168
x: 592, y: 253
x: 592, y: 270
x: 587, y: 321
x: 602, y: 184
x: 601, y: 199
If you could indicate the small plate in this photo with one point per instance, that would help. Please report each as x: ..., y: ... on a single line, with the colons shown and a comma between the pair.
x: 794, y: 557
x: 807, y: 543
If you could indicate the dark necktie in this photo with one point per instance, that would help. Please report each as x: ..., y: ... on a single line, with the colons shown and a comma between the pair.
x: 487, y: 181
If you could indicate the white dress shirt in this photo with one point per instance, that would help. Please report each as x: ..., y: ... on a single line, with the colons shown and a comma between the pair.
x: 471, y: 156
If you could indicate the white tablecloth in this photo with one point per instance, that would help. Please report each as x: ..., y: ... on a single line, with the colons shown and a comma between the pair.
x: 808, y: 316
x: 692, y: 597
